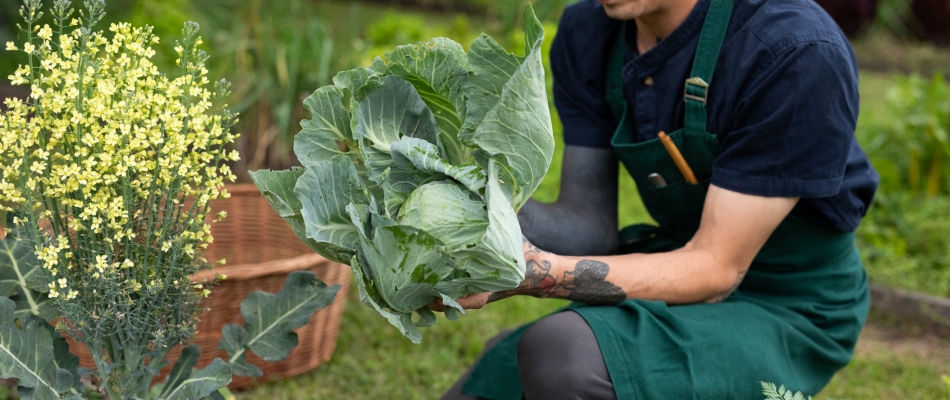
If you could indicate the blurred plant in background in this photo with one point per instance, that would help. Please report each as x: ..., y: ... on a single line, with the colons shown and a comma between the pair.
x: 903, y: 238
x: 913, y: 152
x: 275, y: 52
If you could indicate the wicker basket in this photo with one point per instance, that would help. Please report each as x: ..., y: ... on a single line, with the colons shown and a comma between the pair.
x: 261, y: 251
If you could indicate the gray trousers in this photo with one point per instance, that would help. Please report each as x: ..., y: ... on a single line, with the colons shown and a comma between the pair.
x: 558, y: 358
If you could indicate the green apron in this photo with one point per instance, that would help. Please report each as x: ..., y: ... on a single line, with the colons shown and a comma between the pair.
x: 794, y: 320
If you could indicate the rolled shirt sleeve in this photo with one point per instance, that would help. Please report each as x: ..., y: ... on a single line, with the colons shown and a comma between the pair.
x: 793, y: 129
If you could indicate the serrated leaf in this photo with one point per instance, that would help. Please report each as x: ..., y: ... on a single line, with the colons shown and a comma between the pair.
x: 270, y: 319
x: 329, y: 124
x: 233, y: 341
x: 353, y: 79
x: 769, y: 390
x: 22, y: 277
x: 491, y: 68
x: 62, y: 357
x: 435, y: 68
x: 278, y: 189
x: 325, y: 189
x: 182, y: 369
x: 370, y: 297
x: 204, y: 382
x: 28, y: 356
x: 390, y: 110
x: 517, y: 129
x: 426, y: 317
x: 406, y: 263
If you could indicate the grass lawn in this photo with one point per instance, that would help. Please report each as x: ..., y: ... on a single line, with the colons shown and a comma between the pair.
x: 374, y: 361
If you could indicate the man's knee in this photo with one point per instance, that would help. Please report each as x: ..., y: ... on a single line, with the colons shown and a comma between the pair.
x: 559, y: 358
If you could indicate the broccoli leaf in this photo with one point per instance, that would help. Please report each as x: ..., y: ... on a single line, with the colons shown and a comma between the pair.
x: 270, y: 320
x: 200, y: 385
x: 22, y: 277
x: 28, y: 355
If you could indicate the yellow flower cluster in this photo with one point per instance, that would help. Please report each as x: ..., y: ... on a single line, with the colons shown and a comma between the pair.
x: 103, y: 135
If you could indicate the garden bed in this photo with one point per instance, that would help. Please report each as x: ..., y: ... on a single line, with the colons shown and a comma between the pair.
x: 912, y: 311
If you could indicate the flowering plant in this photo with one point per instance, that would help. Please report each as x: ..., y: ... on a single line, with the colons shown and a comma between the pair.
x: 109, y: 168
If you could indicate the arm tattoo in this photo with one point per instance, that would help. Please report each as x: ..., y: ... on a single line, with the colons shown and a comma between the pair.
x: 724, y: 295
x: 586, y: 283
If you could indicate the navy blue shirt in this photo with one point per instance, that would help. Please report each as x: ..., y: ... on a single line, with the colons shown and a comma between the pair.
x: 783, y: 100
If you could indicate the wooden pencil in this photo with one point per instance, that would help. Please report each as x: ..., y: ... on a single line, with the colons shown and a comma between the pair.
x: 678, y: 158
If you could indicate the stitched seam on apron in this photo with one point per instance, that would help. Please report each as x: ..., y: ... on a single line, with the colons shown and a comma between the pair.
x: 623, y: 354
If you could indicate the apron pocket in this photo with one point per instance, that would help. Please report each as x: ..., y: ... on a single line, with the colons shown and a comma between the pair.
x: 678, y: 207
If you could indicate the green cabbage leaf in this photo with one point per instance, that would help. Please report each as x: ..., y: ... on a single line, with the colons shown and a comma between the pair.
x: 414, y: 169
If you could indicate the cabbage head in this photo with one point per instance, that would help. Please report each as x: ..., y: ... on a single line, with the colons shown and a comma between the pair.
x: 414, y: 169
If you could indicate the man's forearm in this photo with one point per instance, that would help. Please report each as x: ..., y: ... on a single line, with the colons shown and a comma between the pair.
x: 680, y: 277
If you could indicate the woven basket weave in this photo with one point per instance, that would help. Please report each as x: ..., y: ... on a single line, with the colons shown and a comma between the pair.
x: 261, y: 251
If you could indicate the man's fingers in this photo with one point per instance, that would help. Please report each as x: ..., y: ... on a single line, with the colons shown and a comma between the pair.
x: 470, y: 302
x: 437, y: 305
x: 473, y: 301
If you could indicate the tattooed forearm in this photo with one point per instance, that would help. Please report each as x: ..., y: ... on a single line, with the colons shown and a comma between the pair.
x: 537, y: 281
x: 725, y: 295
x: 588, y: 284
x: 585, y: 283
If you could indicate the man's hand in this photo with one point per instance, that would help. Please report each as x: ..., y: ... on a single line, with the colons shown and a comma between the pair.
x: 533, y: 256
x: 473, y: 301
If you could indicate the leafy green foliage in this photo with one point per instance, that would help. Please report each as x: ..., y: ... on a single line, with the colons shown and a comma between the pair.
x: 203, y: 383
x: 271, y: 319
x: 946, y: 380
x: 30, y: 356
x: 421, y: 198
x: 22, y: 277
x: 912, y: 152
x: 780, y: 393
x: 182, y: 369
x: 904, y: 242
x: 905, y: 134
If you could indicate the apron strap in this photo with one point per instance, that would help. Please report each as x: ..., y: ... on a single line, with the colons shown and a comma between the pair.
x: 696, y: 89
x: 701, y: 76
x: 618, y: 57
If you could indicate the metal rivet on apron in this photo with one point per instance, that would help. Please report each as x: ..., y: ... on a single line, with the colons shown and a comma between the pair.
x: 648, y: 81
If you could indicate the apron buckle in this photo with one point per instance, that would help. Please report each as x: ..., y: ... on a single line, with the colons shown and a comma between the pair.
x: 696, y: 89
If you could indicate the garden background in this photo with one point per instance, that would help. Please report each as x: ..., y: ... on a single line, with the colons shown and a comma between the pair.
x: 277, y: 52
